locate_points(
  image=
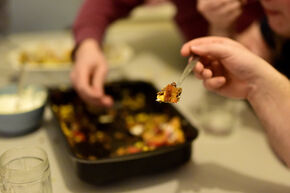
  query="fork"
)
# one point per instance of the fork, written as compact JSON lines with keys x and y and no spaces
{"x":190,"y":65}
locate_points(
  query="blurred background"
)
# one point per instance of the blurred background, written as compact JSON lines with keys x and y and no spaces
{"x":37,"y":24}
{"x":39,"y":15}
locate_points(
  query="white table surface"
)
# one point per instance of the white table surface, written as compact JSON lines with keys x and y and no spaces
{"x":241,"y":161}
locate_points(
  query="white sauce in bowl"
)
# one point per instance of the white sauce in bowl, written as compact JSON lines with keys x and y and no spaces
{"x":30,"y":99}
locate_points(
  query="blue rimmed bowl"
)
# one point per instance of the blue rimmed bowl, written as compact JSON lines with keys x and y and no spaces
{"x":28,"y":117}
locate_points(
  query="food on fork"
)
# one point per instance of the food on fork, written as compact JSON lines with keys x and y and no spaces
{"x":169,"y":94}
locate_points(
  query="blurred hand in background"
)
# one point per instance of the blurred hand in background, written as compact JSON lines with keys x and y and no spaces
{"x":221,"y":14}
{"x":89,"y":73}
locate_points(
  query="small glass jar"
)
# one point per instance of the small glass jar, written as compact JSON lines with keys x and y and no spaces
{"x":25,"y":170}
{"x":218,"y":115}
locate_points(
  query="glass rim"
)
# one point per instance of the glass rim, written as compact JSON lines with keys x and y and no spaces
{"x":39,"y":167}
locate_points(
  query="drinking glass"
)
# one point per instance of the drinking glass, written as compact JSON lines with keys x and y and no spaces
{"x":218,"y":115}
{"x":25,"y":170}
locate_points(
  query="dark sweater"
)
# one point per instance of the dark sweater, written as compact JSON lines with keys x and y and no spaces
{"x":95,"y":16}
{"x":280,"y":47}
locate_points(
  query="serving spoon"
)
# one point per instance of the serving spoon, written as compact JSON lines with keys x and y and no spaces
{"x":20,"y":83}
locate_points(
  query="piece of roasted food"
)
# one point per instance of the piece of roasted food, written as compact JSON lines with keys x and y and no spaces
{"x":169,"y":94}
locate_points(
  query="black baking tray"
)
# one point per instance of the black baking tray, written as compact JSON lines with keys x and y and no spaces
{"x":111,"y":169}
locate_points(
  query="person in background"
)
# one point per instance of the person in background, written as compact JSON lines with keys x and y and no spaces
{"x":90,"y":68}
{"x":271,"y":38}
{"x":231,"y":70}
{"x":221,"y":15}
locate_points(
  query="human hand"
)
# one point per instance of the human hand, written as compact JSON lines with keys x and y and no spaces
{"x":89,"y":73}
{"x":227,"y":67}
{"x":221,"y":14}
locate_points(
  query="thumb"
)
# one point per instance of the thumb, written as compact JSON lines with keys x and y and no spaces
{"x":217,"y":47}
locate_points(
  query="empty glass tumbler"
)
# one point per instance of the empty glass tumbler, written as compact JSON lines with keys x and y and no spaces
{"x":25,"y":170}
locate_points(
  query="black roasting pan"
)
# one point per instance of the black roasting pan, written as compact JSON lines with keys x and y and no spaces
{"x":109,"y":169}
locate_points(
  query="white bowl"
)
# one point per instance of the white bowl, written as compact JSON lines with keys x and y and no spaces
{"x":28,"y":117}
{"x":54,"y":55}
{"x":42,"y":55}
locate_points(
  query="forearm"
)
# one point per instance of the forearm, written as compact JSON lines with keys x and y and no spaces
{"x":271,"y":102}
{"x":86,"y":45}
